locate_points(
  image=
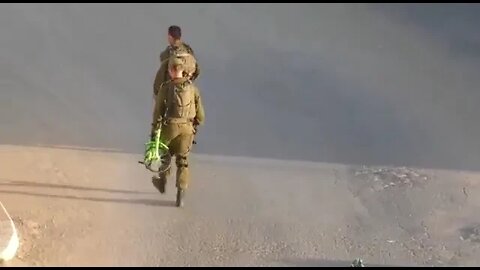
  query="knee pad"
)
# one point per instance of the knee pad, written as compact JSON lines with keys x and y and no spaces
{"x":182,"y":162}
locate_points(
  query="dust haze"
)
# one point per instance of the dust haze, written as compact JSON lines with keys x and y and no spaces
{"x":354,"y":84}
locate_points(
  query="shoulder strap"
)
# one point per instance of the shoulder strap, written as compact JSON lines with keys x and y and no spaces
{"x":164,"y":83}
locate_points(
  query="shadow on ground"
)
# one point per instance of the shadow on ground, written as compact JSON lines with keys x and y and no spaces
{"x":147,"y":202}
{"x":338,"y":83}
{"x":4,"y":182}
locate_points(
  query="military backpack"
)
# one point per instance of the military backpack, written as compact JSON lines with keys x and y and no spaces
{"x":181,"y":101}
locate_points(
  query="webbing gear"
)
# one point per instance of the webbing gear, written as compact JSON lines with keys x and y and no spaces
{"x":177,"y":120}
{"x":152,"y":151}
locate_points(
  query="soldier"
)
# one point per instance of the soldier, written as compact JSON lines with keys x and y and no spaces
{"x":179,"y":110}
{"x":179,"y":48}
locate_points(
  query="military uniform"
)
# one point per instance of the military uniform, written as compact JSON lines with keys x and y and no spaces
{"x":177,"y":132}
{"x":162,"y":73}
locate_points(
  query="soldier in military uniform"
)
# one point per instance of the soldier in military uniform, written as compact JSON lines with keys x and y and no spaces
{"x":175,"y":45}
{"x":178,"y":110}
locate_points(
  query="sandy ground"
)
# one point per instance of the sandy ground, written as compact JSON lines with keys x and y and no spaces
{"x":77,"y":207}
{"x":310,"y":84}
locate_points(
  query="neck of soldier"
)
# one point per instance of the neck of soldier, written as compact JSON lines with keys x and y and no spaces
{"x":176,"y":42}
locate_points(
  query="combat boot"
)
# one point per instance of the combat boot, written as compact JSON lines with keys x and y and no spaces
{"x":180,"y":197}
{"x":159,"y":182}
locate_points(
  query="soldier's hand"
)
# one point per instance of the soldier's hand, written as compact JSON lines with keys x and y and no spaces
{"x":195,"y":122}
{"x":152,"y":131}
{"x":195,"y":126}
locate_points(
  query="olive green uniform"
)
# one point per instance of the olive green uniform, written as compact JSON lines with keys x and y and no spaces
{"x":177,"y":133}
{"x":162,"y":73}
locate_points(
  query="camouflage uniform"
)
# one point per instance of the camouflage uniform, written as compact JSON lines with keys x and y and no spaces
{"x":177,"y":133}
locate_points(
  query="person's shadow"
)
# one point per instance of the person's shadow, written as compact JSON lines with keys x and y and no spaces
{"x":148,"y":202}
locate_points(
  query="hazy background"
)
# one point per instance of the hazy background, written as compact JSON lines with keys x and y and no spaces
{"x":375,"y":84}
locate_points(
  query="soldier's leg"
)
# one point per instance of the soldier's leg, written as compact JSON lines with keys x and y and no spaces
{"x":160,"y":181}
{"x":181,"y":146}
{"x":184,"y":143}
{"x":166,"y":165}
{"x":183,"y":178}
{"x":183,"y":173}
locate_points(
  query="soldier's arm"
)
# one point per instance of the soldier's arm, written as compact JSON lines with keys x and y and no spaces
{"x":159,"y":109}
{"x":200,"y":112}
{"x":162,"y":71}
{"x":197,"y":67}
{"x":157,"y":82}
{"x":164,"y":54}
{"x":160,"y":78}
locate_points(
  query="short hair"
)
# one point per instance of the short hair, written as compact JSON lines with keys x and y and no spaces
{"x":175,"y":31}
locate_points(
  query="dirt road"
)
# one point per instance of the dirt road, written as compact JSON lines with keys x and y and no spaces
{"x":94,"y":208}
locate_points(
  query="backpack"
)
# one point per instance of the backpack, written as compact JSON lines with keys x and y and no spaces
{"x":189,"y":61}
{"x":181,"y":101}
